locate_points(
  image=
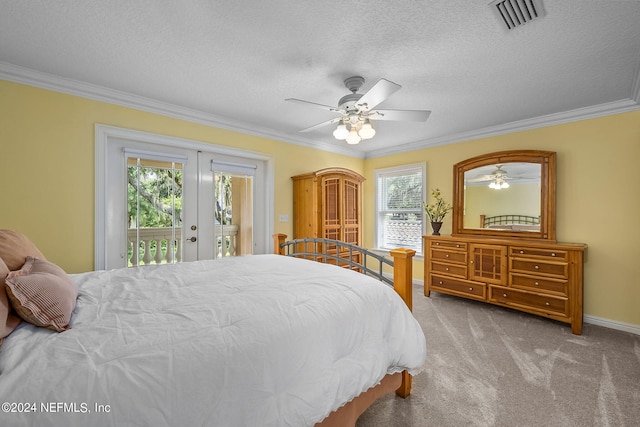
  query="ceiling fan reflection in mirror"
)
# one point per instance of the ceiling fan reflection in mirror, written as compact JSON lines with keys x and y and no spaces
{"x":497,"y":178}
{"x":358,"y":110}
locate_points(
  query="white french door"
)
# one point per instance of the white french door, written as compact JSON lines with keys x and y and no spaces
{"x":231,"y":205}
{"x":164,"y":200}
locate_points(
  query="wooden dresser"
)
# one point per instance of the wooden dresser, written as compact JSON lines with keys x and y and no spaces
{"x":543,"y":278}
{"x":328,"y":204}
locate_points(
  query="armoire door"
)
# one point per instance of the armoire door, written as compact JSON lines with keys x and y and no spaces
{"x":351,"y":215}
{"x":332,"y":207}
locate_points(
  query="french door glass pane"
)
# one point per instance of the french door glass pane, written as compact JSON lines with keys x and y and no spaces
{"x":154,"y":207}
{"x":233,"y":214}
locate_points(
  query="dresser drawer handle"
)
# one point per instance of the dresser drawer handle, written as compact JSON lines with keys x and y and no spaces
{"x":547,"y":303}
{"x":446,"y":269}
{"x":537,"y":267}
{"x":457,"y":246}
{"x":537,"y":283}
{"x":504,"y":295}
{"x":437,"y":243}
{"x":553,"y":254}
{"x":470,"y":289}
{"x":446,"y":256}
{"x":521,"y":252}
{"x":440,"y":282}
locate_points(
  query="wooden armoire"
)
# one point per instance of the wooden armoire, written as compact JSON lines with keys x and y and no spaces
{"x":328,"y":204}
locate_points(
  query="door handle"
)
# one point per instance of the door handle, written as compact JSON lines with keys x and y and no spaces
{"x":192,"y":239}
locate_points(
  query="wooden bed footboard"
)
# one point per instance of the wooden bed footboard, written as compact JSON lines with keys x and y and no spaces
{"x":360,"y":259}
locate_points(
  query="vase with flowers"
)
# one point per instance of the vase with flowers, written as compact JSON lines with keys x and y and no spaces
{"x":437,"y":211}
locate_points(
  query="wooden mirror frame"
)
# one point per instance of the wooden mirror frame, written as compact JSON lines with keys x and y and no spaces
{"x":547,"y":161}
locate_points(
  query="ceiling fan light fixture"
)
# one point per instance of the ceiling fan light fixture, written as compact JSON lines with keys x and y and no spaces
{"x":366,"y":131}
{"x":341,"y":131}
{"x":498,"y":184}
{"x":356,"y":110}
{"x":353,"y":137}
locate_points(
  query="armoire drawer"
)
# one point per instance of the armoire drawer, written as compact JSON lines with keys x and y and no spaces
{"x":449,"y":269}
{"x":459,"y":287}
{"x":536,"y":267}
{"x":458,"y":257}
{"x":538,"y":284}
{"x":543,"y":303}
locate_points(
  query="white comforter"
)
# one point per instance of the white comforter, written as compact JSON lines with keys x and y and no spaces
{"x":261,"y":340}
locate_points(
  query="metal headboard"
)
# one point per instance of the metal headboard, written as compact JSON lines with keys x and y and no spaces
{"x":353,"y":257}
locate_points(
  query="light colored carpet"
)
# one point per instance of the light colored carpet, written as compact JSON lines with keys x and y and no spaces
{"x":491,"y":366}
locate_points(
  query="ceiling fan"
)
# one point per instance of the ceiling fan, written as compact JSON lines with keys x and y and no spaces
{"x":523,"y":173}
{"x":497,"y":174}
{"x":357,"y":110}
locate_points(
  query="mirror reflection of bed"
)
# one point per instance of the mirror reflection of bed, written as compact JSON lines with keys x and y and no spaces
{"x":510,"y":222}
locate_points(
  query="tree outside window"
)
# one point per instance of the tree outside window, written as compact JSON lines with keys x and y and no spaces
{"x":400,"y":198}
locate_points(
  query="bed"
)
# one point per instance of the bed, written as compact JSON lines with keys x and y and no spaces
{"x":511,"y":222}
{"x":263,"y":340}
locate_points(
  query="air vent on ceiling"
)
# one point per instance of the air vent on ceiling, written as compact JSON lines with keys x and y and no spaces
{"x":515,"y":13}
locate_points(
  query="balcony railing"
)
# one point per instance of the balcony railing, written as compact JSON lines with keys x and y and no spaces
{"x":159,"y":245}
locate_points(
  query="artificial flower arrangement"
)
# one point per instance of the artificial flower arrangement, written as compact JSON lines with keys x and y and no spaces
{"x":437,"y":211}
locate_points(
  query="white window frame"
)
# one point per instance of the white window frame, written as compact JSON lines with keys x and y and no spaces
{"x":397,"y":170}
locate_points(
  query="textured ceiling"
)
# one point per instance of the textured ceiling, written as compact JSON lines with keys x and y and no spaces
{"x":232,"y":64}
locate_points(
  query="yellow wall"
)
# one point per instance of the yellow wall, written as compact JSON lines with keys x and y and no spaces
{"x":598,"y":202}
{"x":47,"y":175}
{"x":47,"y":165}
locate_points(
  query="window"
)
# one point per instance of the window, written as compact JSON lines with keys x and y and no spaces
{"x":399,"y":207}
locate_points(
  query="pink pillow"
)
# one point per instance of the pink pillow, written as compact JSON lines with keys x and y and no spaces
{"x":42,"y":294}
{"x":8,"y":320}
{"x":15,"y":247}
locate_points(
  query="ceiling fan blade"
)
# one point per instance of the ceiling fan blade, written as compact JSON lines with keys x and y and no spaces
{"x":313,"y":104}
{"x":319,"y":125}
{"x":480,"y":179}
{"x":378,"y":93}
{"x":400,"y":115}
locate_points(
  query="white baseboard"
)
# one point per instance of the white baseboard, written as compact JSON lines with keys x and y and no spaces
{"x":612,"y":324}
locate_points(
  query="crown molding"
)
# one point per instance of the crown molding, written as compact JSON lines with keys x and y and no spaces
{"x":600,"y":110}
{"x":39,"y":79}
{"x":54,"y":83}
{"x":635,"y":90}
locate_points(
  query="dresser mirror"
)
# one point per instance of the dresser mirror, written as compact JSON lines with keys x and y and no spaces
{"x":506,"y":194}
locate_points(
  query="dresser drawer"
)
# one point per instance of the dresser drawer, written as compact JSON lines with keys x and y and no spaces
{"x":550,"y":254}
{"x":449,"y":256}
{"x":539,"y":267}
{"x":458,"y":287}
{"x":449,"y":269}
{"x":449,"y":244}
{"x":543,"y":303}
{"x":538,"y":284}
